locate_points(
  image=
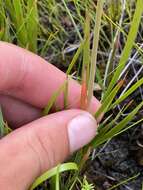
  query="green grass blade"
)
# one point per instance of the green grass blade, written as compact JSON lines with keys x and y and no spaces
{"x":103,"y":129}
{"x":53,"y":99}
{"x":53,"y":172}
{"x":75,"y":58}
{"x":58,"y":178}
{"x":119,"y":127}
{"x":127,"y":93}
{"x":2,"y":20}
{"x":66,"y":93}
{"x":32,"y":24}
{"x":2,"y":130}
{"x":124,"y":181}
{"x":44,"y":49}
{"x":109,"y":66}
{"x":123,"y":32}
{"x":107,"y":102}
{"x":71,"y":17}
{"x":7,"y":7}
{"x":129,"y":44}
{"x":127,"y":128}
{"x":19,"y":22}
{"x":10,"y":8}
{"x":100,"y":140}
{"x":95,"y":48}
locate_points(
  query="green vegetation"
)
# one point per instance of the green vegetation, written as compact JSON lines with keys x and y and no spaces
{"x":96,"y":43}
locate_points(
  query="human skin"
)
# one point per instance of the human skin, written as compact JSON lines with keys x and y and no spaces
{"x":39,"y":143}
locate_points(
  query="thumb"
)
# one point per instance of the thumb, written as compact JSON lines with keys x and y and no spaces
{"x":31,"y":150}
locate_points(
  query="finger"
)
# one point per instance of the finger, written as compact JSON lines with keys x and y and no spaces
{"x":31,"y":150}
{"x":18,"y":113}
{"x":30,"y":78}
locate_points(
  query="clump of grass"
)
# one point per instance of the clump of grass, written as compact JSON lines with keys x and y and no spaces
{"x":20,"y":19}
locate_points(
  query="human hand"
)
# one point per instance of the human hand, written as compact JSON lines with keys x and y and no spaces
{"x":27,"y":83}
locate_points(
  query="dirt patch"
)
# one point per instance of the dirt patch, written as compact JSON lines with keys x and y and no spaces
{"x":119,"y":160}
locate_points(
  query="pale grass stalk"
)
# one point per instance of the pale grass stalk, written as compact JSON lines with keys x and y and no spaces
{"x":94,"y":50}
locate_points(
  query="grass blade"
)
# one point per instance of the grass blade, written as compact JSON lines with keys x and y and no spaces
{"x":53,"y":172}
{"x":129,"y":44}
{"x":32,"y":26}
{"x":74,"y":60}
{"x":71,"y":17}
{"x":19,"y":22}
{"x":54,"y":98}
{"x":107,"y":102}
{"x":86,"y":62}
{"x":95,"y":48}
{"x":103,"y":129}
{"x":119,"y":127}
{"x":127,"y":93}
{"x":2,"y":130}
{"x":114,"y":46}
{"x":66,"y":93}
{"x":2,"y":20}
{"x":124,"y":182}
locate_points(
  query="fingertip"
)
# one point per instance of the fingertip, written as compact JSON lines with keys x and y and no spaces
{"x":81,"y":130}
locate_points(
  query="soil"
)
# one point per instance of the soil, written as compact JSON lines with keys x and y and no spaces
{"x":118,"y":161}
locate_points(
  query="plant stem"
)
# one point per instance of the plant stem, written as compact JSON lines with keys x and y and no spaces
{"x":94,"y":50}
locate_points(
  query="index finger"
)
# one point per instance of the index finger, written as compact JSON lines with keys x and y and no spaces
{"x":30,"y":78}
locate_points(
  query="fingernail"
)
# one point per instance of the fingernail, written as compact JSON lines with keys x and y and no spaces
{"x":81,"y":131}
